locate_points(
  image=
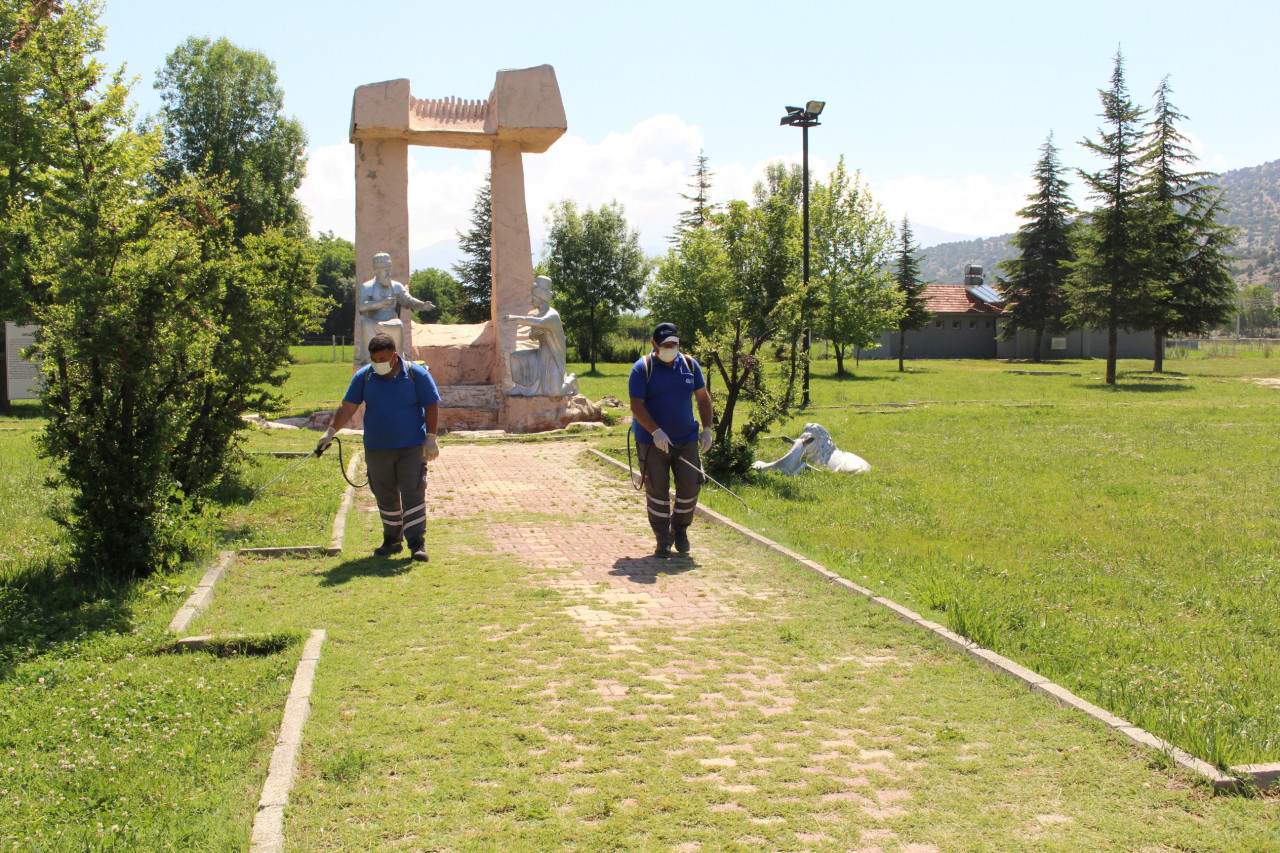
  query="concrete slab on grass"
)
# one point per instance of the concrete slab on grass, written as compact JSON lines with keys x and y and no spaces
{"x":268,"y":824}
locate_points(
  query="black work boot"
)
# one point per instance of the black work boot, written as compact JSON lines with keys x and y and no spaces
{"x":388,"y":547}
{"x":682,"y":539}
{"x":418,"y":550}
{"x":663,"y":551}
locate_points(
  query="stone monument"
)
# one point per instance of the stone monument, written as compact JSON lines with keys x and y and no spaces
{"x":379,"y":304}
{"x":812,"y":449}
{"x":472,"y":364}
{"x":539,"y":371}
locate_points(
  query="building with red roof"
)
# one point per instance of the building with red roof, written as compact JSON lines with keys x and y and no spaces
{"x":968,"y":319}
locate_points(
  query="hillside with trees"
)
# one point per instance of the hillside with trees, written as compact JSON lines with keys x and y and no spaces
{"x":1252,"y":205}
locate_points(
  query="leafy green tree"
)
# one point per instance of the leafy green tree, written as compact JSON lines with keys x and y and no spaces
{"x":223,"y":116}
{"x":781,"y":180}
{"x":760,"y":308}
{"x":42,"y":46}
{"x":475,"y":277}
{"x":696,"y":216}
{"x":690,"y":286}
{"x":852,"y":241}
{"x":1109,"y":286}
{"x":336,"y":281}
{"x":597,"y":268}
{"x":1187,"y":246}
{"x":911,"y":288}
{"x":1035,"y":290}
{"x":732,"y":288}
{"x":157,"y":328}
{"x":439,"y":288}
{"x":1257,"y":307}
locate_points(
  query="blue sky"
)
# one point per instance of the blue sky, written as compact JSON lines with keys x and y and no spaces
{"x":941,"y":105}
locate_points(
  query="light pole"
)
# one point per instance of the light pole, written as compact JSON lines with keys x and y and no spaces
{"x":804,"y":118}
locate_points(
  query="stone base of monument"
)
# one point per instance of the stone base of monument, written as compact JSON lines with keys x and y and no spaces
{"x":485,"y":407}
{"x":457,"y":355}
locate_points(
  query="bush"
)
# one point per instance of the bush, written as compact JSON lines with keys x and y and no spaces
{"x":730,"y":458}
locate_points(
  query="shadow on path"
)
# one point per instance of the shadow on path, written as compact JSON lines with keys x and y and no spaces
{"x":367,"y":567}
{"x":646,"y":569}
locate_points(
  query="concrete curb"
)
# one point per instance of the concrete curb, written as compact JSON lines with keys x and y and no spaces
{"x":200,"y":600}
{"x":1260,"y":775}
{"x":287,"y":551}
{"x":268,"y":823}
{"x":348,"y":498}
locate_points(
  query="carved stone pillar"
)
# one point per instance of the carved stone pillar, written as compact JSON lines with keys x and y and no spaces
{"x":511,"y":259}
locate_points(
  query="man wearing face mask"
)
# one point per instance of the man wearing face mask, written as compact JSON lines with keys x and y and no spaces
{"x":401,"y":413}
{"x":662,"y":386}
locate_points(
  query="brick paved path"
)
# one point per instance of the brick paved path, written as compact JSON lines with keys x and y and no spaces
{"x":795,"y":765}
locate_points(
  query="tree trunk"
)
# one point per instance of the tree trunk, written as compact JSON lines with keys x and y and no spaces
{"x":591,"y":337}
{"x":1112,"y":341}
{"x":1158,"y":367}
{"x":839,"y":359}
{"x":902,"y":344}
{"x":1039,"y":343}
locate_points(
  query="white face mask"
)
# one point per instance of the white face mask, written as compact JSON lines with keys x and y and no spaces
{"x":382,"y":368}
{"x":668,"y":354}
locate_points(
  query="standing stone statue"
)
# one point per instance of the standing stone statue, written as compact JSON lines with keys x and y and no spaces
{"x":539,"y":372}
{"x":378,"y":303}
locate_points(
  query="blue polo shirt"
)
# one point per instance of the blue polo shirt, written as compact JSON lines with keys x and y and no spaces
{"x":668,"y":397}
{"x":394,"y":405}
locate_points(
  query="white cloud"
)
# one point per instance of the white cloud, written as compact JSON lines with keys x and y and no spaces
{"x":645,"y":168}
{"x":975,"y":205}
{"x":328,"y":190}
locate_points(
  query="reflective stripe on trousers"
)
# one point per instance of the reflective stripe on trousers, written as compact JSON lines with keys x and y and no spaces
{"x":398,"y":478}
{"x":659,"y":468}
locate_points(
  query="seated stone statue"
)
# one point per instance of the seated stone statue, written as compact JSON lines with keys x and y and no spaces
{"x":540,"y":371}
{"x":815,"y":448}
{"x":378,"y":302}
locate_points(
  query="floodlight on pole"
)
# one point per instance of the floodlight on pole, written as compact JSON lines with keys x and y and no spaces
{"x":805,"y":118}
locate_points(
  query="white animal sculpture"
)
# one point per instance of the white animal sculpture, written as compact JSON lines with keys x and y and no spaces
{"x":815,"y":448}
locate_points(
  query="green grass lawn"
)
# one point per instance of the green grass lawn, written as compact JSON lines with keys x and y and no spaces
{"x":458,"y":708}
{"x":1123,"y":541}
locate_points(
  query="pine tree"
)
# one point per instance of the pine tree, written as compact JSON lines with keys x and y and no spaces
{"x":915,"y":308}
{"x":1034,"y":292}
{"x":475,"y":276}
{"x":1109,"y":286}
{"x":852,"y":245}
{"x":696,"y":217}
{"x":1188,"y":247}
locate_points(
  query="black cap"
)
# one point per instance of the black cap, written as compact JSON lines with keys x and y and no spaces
{"x":665,"y":332}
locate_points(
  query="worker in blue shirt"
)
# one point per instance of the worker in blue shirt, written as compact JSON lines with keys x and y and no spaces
{"x":402,"y":410}
{"x":663,"y":385}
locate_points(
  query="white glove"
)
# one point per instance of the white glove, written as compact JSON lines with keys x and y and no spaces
{"x":704,"y":441}
{"x":433,"y":449}
{"x":325,"y":441}
{"x":661,"y":441}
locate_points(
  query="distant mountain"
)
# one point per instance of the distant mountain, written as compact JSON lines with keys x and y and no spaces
{"x":945,"y":262}
{"x":927,"y":235}
{"x":1253,"y":206}
{"x":1253,"y":202}
{"x":442,"y":256}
